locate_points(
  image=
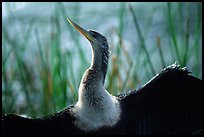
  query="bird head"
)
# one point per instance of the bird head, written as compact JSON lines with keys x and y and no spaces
{"x":97,"y":41}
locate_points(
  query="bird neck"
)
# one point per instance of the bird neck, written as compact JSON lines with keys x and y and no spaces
{"x":100,"y":62}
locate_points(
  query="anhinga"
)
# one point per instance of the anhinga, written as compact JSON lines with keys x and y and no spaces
{"x":170,"y":103}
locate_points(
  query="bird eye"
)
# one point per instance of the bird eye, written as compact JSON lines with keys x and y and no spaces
{"x":94,"y":35}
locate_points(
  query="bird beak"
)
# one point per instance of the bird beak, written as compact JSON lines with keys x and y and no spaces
{"x":81,"y":30}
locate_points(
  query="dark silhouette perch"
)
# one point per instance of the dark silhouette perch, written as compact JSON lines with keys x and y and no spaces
{"x":170,"y":103}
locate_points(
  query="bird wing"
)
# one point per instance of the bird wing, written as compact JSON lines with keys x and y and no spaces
{"x":170,"y":103}
{"x":58,"y":123}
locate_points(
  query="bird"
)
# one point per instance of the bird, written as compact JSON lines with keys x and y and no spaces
{"x":168,"y":104}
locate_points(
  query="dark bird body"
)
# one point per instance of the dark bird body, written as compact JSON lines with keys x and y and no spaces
{"x":170,"y":103}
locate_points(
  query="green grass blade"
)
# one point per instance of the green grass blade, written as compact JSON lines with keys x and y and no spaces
{"x":172,"y":30}
{"x":185,"y":59}
{"x":160,"y":52}
{"x":142,"y":39}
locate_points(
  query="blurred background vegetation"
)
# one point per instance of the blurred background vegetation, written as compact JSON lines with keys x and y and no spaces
{"x":44,"y":57}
